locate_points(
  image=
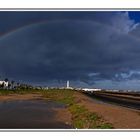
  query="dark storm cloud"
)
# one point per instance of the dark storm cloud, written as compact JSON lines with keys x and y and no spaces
{"x":13,"y":20}
{"x":77,"y":50}
{"x":97,"y":48}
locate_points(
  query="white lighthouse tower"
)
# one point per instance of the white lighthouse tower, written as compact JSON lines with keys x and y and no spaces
{"x":68,"y":84}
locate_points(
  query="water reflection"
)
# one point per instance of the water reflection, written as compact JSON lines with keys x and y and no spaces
{"x":30,"y":114}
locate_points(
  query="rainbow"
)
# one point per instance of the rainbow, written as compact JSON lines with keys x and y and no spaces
{"x":5,"y":35}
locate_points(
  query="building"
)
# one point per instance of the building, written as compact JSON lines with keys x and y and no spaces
{"x":68,"y":85}
{"x":4,"y":83}
{"x":91,"y":89}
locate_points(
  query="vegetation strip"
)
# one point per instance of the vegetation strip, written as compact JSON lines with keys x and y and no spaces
{"x":81,"y":117}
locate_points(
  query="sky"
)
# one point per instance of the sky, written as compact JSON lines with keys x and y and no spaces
{"x":93,"y":49}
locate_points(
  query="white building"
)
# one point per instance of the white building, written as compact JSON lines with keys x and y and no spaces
{"x":5,"y":83}
{"x":91,"y":89}
{"x":68,"y":84}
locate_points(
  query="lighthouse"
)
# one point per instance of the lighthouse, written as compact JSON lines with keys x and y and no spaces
{"x":68,"y":84}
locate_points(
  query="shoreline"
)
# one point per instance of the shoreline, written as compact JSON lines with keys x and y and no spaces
{"x":119,"y":117}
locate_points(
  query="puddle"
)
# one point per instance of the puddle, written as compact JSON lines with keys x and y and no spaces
{"x":30,"y":114}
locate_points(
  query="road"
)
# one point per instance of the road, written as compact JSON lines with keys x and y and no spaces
{"x":121,"y":99}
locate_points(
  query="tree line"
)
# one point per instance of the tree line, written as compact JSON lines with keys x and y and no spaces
{"x":14,"y":85}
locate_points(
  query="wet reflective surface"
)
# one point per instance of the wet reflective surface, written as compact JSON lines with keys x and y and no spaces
{"x":30,"y":114}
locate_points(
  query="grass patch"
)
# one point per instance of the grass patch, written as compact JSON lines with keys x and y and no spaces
{"x":81,"y":117}
{"x":17,"y":91}
{"x":105,"y":126}
{"x":6,"y":92}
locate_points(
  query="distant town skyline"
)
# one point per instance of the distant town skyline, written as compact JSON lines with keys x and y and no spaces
{"x":94,"y":49}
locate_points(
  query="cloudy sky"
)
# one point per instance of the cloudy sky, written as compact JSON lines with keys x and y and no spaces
{"x":91,"y":49}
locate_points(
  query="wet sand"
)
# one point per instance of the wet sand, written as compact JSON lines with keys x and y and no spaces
{"x":29,"y":111}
